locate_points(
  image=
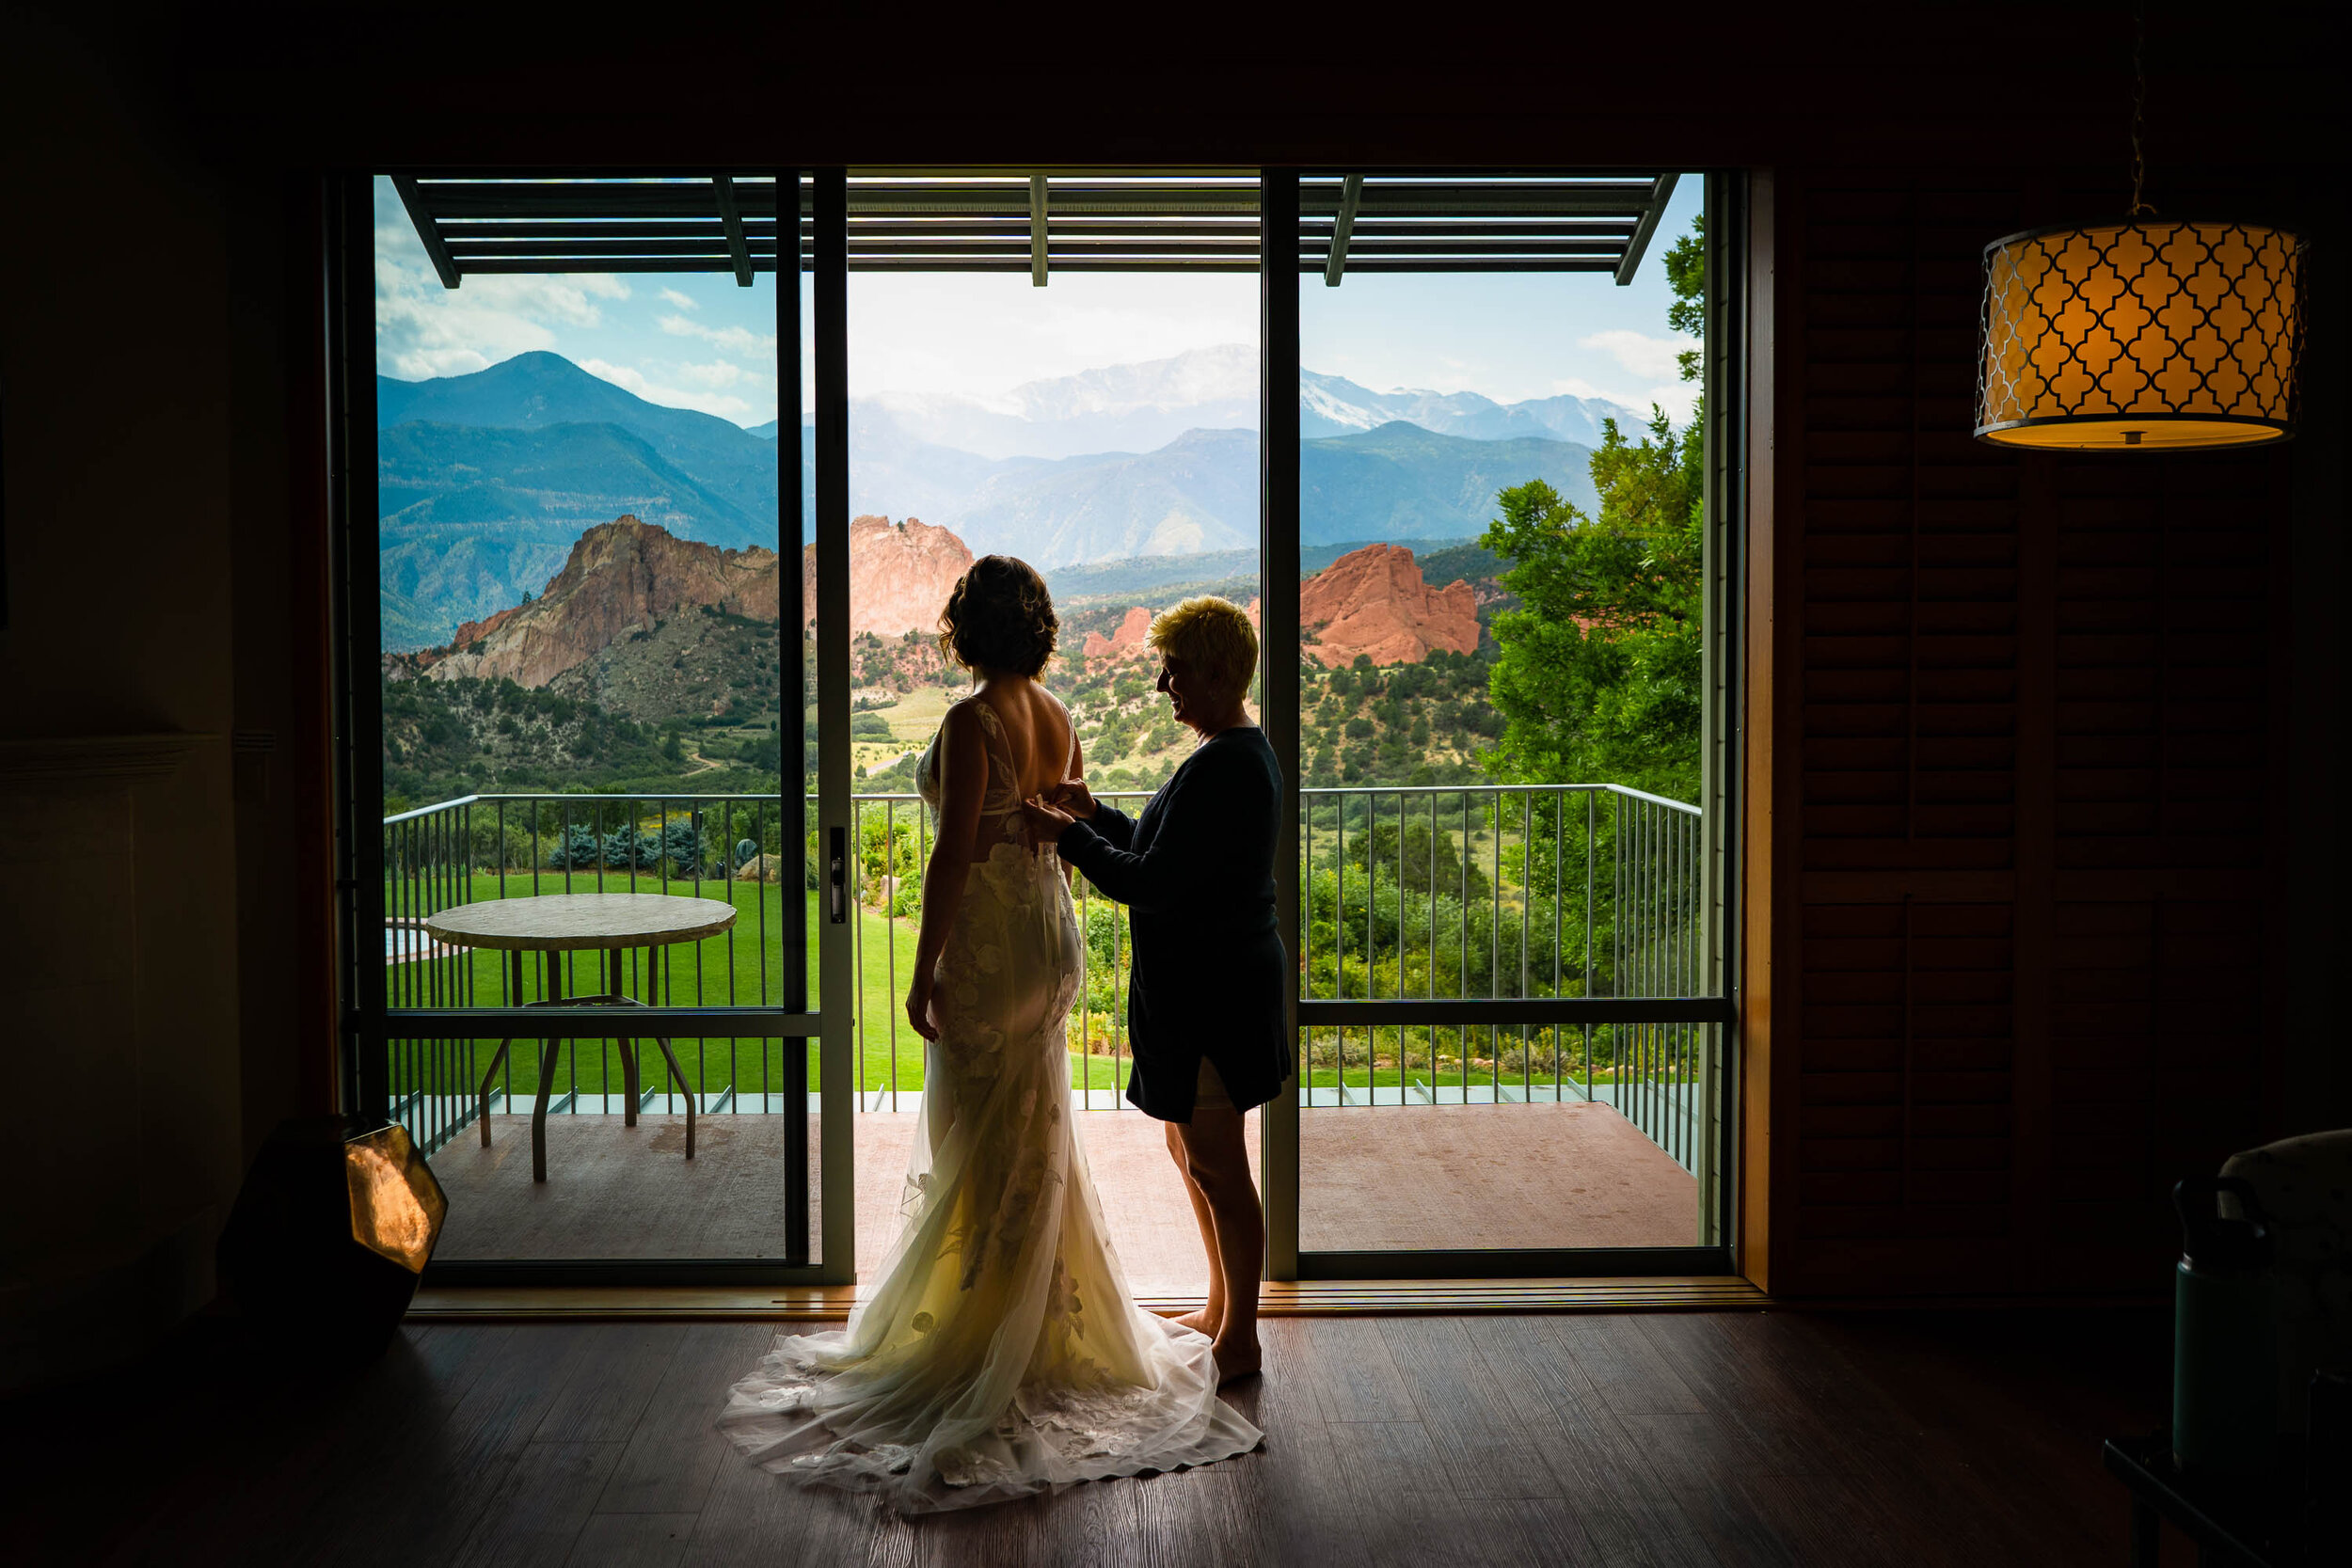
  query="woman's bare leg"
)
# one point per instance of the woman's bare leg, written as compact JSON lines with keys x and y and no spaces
{"x":1218,"y":1159}
{"x":1211,"y":1316}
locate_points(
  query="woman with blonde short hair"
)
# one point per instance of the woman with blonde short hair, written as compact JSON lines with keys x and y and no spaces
{"x":1204,"y":1009}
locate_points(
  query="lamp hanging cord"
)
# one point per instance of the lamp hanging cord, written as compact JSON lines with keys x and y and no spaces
{"x":2140,"y":105}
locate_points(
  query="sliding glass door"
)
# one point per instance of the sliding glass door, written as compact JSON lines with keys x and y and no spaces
{"x":1506,"y":661}
{"x":650,"y":491}
{"x":584,"y":634}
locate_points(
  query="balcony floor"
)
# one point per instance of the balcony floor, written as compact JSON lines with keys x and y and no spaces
{"x":1571,"y":1175}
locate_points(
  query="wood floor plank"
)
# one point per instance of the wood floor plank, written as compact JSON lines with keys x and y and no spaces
{"x":617,"y":1369}
{"x":676,"y":1449}
{"x":1624,"y":1368}
{"x":754,"y":1519}
{"x":272,"y":1445}
{"x":1790,"y":1438}
{"x":1199,"y":1516}
{"x":386,"y":1456}
{"x":893,"y":1542}
{"x":1465,"y":1411}
{"x":482,"y":1439}
{"x":1306,"y":1515}
{"x":1888,"y":1437}
{"x":1412,"y":1517}
{"x":1009,"y":1535}
{"x":536,"y":1518}
{"x":1556,"y":1531}
{"x":1355,"y":1378}
{"x":1821,"y":1519}
{"x":1702,"y":1458}
{"x":1901,"y":1484}
{"x":1624,"y":1509}
{"x":1100,"y":1522}
{"x":632,"y":1541}
{"x":1990,"y":1431}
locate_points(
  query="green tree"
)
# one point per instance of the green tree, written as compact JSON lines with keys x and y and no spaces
{"x":1597,"y":674}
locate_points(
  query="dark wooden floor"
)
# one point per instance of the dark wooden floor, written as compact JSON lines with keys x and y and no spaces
{"x":1660,"y":1438}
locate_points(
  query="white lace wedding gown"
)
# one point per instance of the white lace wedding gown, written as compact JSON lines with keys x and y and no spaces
{"x":1000,"y":1353}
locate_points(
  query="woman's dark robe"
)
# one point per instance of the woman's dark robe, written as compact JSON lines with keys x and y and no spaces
{"x":1195,"y":870}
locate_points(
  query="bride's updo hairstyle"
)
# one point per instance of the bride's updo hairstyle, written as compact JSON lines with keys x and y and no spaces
{"x":999,"y":617}
{"x":1212,"y":635}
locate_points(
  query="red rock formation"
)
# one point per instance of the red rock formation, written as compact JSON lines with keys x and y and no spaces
{"x":622,"y":576}
{"x":470,"y":632}
{"x":1373,"y":601}
{"x":900,"y":574}
{"x":1126,"y":643}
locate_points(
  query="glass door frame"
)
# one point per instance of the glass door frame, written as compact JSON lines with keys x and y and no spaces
{"x":1279,"y":543}
{"x":368,"y":1022}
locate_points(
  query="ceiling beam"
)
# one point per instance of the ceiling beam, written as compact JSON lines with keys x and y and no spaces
{"x":1037,"y":230}
{"x":1662,"y":188}
{"x":427,"y":230}
{"x":1342,"y":229}
{"x":731,"y":219}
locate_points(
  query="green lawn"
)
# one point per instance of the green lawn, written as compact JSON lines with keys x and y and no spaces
{"x":743,"y":967}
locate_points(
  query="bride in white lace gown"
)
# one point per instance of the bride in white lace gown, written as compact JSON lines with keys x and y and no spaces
{"x":1000,"y":1352}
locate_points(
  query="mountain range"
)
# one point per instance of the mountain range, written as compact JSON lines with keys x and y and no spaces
{"x":485,"y":481}
{"x":1143,"y":406}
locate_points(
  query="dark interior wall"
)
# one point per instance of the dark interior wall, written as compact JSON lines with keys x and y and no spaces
{"x":2047,"y":875}
{"x":2058,"y":844}
{"x":119,"y":693}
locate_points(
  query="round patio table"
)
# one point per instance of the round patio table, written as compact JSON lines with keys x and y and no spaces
{"x":610,"y":922}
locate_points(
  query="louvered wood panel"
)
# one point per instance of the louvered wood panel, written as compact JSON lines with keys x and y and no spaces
{"x":1978,"y":631}
{"x":2166,"y":588}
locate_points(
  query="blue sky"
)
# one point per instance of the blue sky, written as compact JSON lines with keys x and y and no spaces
{"x":699,"y":340}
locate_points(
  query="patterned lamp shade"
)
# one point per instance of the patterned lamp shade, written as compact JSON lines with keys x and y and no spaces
{"x":2141,"y":335}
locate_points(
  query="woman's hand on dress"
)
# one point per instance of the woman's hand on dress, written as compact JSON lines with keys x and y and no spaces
{"x":1046,"y":822}
{"x":919,"y":1007}
{"x":1072,"y":796}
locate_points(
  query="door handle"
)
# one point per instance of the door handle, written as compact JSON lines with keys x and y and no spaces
{"x":839,"y":876}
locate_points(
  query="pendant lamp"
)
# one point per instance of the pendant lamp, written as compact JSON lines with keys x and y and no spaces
{"x":2147,"y":334}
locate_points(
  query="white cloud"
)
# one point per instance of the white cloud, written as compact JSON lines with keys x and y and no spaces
{"x":627,"y":376}
{"x":734,"y":339}
{"x":718,"y":373}
{"x":684,"y":301}
{"x":982,"y":335}
{"x":635,"y":380}
{"x":1638,"y":352}
{"x":1677,"y":398}
{"x":424,"y":330}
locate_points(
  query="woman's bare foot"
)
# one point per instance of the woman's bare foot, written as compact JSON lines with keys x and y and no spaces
{"x":1201,"y":1322}
{"x":1235,"y":1362}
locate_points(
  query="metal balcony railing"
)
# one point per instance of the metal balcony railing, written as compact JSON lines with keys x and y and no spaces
{"x":1506,"y":892}
{"x":1461,"y":893}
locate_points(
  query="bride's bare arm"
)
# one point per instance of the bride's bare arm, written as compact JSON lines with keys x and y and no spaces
{"x":962,"y":785}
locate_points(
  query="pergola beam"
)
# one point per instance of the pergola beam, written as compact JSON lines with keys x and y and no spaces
{"x":731,"y":220}
{"x":1342,"y":229}
{"x":427,"y":230}
{"x":1038,"y":224}
{"x":1037,"y":230}
{"x":1660,"y":190}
